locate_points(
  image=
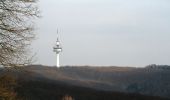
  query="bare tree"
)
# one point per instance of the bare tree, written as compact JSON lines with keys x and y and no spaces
{"x":16,"y":30}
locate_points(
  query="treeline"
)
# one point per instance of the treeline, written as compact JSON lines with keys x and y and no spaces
{"x":154,"y":66}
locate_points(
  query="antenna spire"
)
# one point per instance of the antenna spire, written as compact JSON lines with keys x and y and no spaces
{"x":57,"y":35}
{"x":57,"y":30}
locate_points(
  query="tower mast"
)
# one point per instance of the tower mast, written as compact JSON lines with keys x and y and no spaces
{"x":57,"y":49}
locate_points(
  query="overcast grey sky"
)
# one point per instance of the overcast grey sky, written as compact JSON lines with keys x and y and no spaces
{"x":104,"y":32}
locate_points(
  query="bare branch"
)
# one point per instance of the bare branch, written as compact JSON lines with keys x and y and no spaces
{"x":16,"y":30}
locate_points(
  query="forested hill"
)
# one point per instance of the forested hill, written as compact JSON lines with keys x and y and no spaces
{"x":123,"y":82}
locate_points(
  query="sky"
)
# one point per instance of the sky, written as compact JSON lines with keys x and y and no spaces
{"x":104,"y":32}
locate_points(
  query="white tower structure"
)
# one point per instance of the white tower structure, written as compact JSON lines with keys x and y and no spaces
{"x":57,"y":49}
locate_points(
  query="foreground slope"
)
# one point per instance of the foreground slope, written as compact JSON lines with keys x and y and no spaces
{"x":50,"y":90}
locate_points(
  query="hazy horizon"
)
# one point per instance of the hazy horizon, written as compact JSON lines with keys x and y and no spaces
{"x":104,"y":32}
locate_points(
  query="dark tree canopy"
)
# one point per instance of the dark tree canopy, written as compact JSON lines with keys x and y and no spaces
{"x":16,"y":30}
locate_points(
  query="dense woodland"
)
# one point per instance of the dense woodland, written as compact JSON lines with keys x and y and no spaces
{"x":75,"y":83}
